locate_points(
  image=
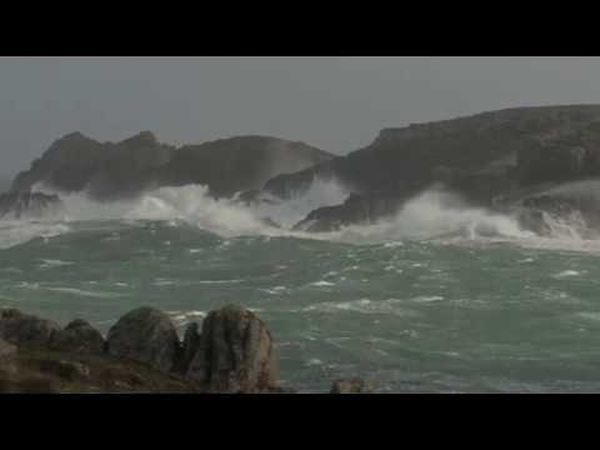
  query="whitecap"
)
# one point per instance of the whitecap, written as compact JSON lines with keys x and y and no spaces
{"x":50,"y":263}
{"x":567,"y":273}
{"x":322,"y":283}
{"x":428,"y":299}
{"x":82,"y":293}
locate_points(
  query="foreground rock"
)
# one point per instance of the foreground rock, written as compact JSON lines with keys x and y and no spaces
{"x":36,"y":370}
{"x":7,"y":350}
{"x":146,"y":335}
{"x":349,"y":386}
{"x":26,"y":330}
{"x":233,"y":353}
{"x":79,"y":337}
{"x":237,"y":353}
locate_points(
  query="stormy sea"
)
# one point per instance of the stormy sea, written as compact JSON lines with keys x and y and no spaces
{"x":439,"y":298}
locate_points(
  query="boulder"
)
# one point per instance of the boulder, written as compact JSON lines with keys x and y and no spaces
{"x":237,"y":354}
{"x":146,"y":335}
{"x":78,"y":337}
{"x":24,"y":329}
{"x":349,"y":386}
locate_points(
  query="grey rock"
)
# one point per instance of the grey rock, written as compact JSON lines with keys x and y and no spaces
{"x":24,"y":329}
{"x":79,"y":337}
{"x":146,"y":335}
{"x":237,"y":353}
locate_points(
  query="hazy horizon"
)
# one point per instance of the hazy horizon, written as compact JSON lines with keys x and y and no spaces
{"x":336,"y":104}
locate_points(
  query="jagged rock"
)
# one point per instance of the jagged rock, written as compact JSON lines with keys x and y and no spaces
{"x":349,"y":386}
{"x":79,"y":337}
{"x":23,"y":329}
{"x":237,"y":353}
{"x":147,"y":335}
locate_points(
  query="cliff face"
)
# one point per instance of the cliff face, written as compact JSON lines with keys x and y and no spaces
{"x":487,"y":157}
{"x":114,"y":170}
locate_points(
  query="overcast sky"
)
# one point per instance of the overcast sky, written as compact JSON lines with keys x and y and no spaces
{"x":337,"y":104}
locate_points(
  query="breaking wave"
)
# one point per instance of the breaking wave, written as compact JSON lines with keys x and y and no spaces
{"x":432,"y":215}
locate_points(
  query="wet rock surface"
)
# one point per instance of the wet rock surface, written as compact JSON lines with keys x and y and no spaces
{"x":237,"y":353}
{"x":146,"y":335}
{"x":79,"y":337}
{"x":24,"y":329}
{"x":231,"y":352}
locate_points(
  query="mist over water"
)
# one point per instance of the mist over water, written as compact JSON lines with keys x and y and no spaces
{"x":439,"y":297}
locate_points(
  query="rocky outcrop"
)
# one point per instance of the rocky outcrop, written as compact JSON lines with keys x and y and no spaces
{"x":78,"y":337}
{"x":18,"y":205}
{"x":146,"y":335}
{"x":357,"y":209}
{"x":108,"y":170}
{"x":237,"y":353}
{"x":26,"y":330}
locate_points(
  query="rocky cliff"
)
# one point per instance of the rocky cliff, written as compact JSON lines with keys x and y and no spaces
{"x":491,"y":159}
{"x":115,"y":170}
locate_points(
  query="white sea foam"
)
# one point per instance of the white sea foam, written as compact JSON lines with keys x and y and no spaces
{"x":322,"y":283}
{"x":82,"y":293}
{"x":434,"y":214}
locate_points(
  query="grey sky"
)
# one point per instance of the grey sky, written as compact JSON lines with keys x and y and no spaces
{"x":337,"y":104}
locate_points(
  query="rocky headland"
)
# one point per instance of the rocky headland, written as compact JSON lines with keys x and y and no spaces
{"x":108,"y":171}
{"x":507,"y":161}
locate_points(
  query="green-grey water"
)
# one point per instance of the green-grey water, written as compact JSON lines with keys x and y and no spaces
{"x":408,"y":316}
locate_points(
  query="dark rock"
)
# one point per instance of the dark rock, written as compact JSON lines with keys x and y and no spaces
{"x":238,"y":164}
{"x":23,"y":329}
{"x":349,"y":386}
{"x":357,"y":209}
{"x":147,"y":335}
{"x":237,"y":353}
{"x":78,"y":337}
